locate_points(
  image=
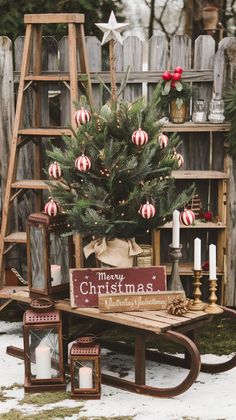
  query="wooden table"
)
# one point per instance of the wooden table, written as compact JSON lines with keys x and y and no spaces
{"x":178,"y":329}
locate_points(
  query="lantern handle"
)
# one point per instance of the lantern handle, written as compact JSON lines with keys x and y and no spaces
{"x":41,"y":304}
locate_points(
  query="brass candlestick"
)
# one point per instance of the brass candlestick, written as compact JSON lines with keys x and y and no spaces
{"x":176,"y":254}
{"x":197,"y":304}
{"x":212,"y":307}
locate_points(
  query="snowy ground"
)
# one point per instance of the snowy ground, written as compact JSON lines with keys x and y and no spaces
{"x":212,"y":397}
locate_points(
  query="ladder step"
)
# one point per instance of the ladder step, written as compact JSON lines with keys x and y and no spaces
{"x":56,"y":77}
{"x":16,"y":237}
{"x":49,"y":18}
{"x":33,"y":184}
{"x":44,"y":132}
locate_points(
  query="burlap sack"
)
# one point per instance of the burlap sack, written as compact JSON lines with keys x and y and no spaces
{"x":114,"y":252}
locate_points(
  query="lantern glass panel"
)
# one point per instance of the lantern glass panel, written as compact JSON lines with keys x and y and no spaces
{"x":44,"y":353}
{"x":59,"y":258}
{"x":37,"y":254}
{"x":85,"y":374}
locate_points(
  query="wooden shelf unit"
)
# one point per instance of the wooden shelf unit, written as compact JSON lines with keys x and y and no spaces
{"x":209,"y":177}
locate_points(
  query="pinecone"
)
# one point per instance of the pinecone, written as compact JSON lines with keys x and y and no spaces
{"x":178,"y":306}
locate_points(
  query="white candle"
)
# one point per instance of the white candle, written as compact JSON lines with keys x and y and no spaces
{"x":197,"y":254}
{"x":85,"y":377}
{"x":175,"y":230}
{"x":56,"y":274}
{"x":43,"y":361}
{"x":212,"y":262}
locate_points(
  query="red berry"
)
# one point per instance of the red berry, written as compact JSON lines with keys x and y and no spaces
{"x":166,"y":76}
{"x":178,"y":70}
{"x":177,"y":77}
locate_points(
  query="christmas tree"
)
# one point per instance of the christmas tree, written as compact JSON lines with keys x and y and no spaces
{"x":116,"y":169}
{"x":117,"y":172}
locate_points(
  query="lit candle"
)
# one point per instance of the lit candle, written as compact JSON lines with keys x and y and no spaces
{"x":43,"y":361}
{"x":175,"y":230}
{"x":212,"y":262}
{"x":85,"y":377}
{"x":56,"y":275}
{"x":197,"y":254}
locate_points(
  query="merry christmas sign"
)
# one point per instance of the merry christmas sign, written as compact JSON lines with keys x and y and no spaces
{"x":87,"y":283}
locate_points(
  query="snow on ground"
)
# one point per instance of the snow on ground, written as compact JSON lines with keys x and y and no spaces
{"x":212,"y":397}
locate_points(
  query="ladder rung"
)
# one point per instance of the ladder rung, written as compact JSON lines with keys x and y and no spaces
{"x":17,"y":237}
{"x":54,"y":18}
{"x":33,"y":184}
{"x":49,"y":77}
{"x":44,"y":132}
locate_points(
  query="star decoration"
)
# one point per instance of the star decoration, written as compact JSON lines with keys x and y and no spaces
{"x":112,"y":29}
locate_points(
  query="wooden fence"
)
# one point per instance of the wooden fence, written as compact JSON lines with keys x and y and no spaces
{"x":206,"y":65}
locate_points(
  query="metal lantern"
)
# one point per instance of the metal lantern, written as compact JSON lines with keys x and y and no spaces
{"x":43,"y":351}
{"x":49,"y":255}
{"x":85,"y":369}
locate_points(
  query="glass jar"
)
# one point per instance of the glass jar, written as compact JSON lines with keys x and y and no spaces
{"x":216,"y":110}
{"x":199,"y":111}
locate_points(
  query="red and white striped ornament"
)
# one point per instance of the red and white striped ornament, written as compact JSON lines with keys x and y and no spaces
{"x":187,"y":217}
{"x":54,"y":170}
{"x":147,"y":210}
{"x":82,"y":116}
{"x":139,"y":137}
{"x":179,"y":159}
{"x":51,"y":208}
{"x":163,"y":140}
{"x":83,"y":163}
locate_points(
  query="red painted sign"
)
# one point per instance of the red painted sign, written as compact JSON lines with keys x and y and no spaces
{"x":87,"y":283}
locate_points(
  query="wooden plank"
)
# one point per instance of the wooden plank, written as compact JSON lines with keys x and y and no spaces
{"x":48,"y":77}
{"x":220,"y":70}
{"x":18,"y":237}
{"x":73,"y":71}
{"x":180,"y":52}
{"x":196,"y":127}
{"x":157,"y":57}
{"x":48,"y":18}
{"x":118,"y":318}
{"x":94,"y":52}
{"x":155,"y":317}
{"x":133,"y":57}
{"x":127,"y":302}
{"x":186,"y":269}
{"x":198,"y":224}
{"x":34,"y":184}
{"x":45,"y":132}
{"x":7,"y":292}
{"x":199,"y":174}
{"x":7,"y":112}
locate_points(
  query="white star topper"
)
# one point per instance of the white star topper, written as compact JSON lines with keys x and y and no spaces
{"x":111,"y":29}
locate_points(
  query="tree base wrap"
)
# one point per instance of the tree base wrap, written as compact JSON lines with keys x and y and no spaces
{"x":114,"y":252}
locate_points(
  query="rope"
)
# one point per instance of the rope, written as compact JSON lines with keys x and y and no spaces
{"x":20,"y":278}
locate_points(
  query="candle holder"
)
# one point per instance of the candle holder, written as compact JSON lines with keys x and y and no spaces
{"x":197,"y":304}
{"x":176,"y":254}
{"x":212,"y":307}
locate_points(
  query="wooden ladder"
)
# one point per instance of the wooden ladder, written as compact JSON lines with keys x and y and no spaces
{"x":20,"y":136}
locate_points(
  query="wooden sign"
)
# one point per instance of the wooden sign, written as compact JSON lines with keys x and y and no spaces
{"x":136,"y":302}
{"x":87,"y":283}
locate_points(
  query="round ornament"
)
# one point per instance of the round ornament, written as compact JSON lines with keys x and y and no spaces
{"x":177,"y":77}
{"x":147,"y":211}
{"x":54,"y":170}
{"x":82,"y":116}
{"x":187,"y":217}
{"x":166,"y":76}
{"x":139,"y":137}
{"x":179,"y":159}
{"x":83,"y":163}
{"x":178,"y":69}
{"x":163,"y":140}
{"x":51,"y":208}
